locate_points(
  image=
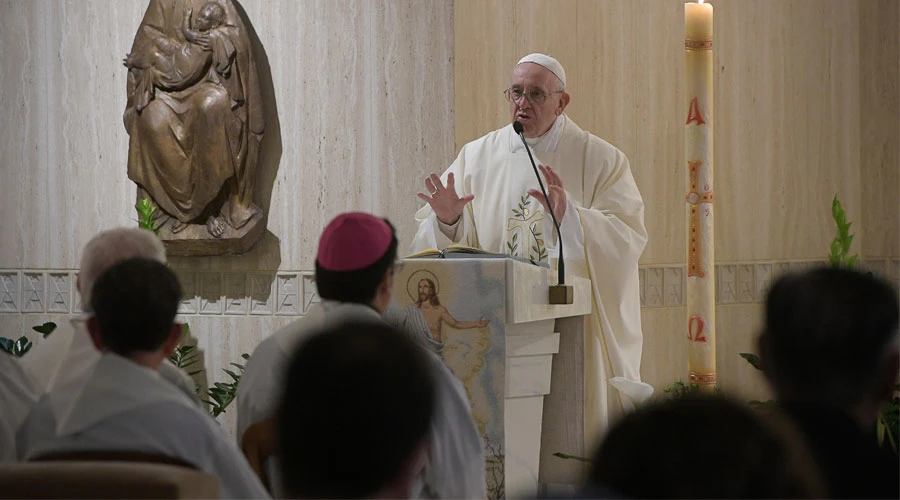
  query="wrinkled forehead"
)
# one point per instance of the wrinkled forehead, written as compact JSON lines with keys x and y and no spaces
{"x":529,"y":75}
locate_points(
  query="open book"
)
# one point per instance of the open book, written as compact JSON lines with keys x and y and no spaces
{"x":467,"y":252}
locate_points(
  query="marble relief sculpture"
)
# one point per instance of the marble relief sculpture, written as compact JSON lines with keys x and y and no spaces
{"x":195,"y":121}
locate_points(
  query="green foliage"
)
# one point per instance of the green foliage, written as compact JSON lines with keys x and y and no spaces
{"x":679,"y":389}
{"x":753,"y":359}
{"x":221,"y":394}
{"x":45,"y":329}
{"x":17,"y":347}
{"x":839,"y":255}
{"x":186,"y":356}
{"x":146,"y":211}
{"x":887,"y":428}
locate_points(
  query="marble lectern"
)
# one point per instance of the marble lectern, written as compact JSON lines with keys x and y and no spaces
{"x":491,"y":322}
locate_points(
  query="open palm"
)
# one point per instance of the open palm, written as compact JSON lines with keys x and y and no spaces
{"x":555,"y":191}
{"x":447,"y":205}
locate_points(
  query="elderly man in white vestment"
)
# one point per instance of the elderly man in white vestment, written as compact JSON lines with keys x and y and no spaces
{"x":123,"y":404}
{"x":354,"y":278}
{"x":489,"y":199}
{"x":63,"y":358}
{"x":17,"y":396}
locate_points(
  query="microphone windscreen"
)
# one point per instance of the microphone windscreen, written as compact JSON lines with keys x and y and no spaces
{"x":517,"y":126}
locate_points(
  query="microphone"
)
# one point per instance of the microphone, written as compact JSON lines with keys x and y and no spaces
{"x":559,"y":293}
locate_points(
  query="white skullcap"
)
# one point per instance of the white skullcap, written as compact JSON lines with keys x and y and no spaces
{"x":548,"y":62}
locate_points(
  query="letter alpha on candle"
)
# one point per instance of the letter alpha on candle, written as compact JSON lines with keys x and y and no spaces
{"x":694,"y":114}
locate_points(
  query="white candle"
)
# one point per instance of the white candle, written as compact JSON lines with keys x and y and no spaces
{"x":698,"y":21}
{"x":698,"y":150}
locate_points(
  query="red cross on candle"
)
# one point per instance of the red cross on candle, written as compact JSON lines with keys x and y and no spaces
{"x":694,"y":199}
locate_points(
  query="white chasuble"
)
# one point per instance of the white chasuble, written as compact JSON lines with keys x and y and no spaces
{"x":603,"y":237}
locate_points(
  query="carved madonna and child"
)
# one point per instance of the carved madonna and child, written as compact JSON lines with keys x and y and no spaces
{"x":195,"y":120}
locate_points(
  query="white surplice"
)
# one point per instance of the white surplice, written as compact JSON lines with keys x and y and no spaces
{"x":123,"y":406}
{"x":17,"y":396}
{"x":64,"y":358}
{"x":455,"y":466}
{"x":603,"y":238}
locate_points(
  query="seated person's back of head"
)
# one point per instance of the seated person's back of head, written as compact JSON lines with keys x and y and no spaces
{"x":703,"y":446}
{"x":124,"y":408}
{"x":353,"y":421}
{"x":134,"y":304}
{"x":829,"y":349}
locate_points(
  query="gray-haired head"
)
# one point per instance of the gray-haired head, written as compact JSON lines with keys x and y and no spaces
{"x":108,"y":248}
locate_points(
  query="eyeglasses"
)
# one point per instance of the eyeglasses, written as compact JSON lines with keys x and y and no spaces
{"x":534,"y":96}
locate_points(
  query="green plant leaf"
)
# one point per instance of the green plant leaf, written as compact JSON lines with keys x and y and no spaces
{"x":45,"y":329}
{"x":845,"y":245}
{"x":753,"y":359}
{"x":7,"y":345}
{"x":23,"y":345}
{"x":836,"y":248}
{"x":851,"y":262}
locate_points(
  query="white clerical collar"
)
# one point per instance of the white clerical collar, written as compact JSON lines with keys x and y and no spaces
{"x":546,"y":142}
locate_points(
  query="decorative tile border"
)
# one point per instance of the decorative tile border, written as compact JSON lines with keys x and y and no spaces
{"x":262,"y":296}
{"x":33,"y":292}
{"x":9,"y":291}
{"x":291,"y":293}
{"x":59,"y":292}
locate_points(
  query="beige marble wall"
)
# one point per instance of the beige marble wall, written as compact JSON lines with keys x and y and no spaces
{"x":364,"y":109}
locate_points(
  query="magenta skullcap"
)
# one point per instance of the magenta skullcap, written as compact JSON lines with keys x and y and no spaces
{"x":353,"y":241}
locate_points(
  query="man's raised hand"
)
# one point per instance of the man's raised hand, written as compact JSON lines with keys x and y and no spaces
{"x":555,"y":192}
{"x":447,"y":205}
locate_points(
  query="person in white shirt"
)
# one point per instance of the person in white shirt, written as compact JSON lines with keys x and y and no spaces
{"x":362,"y":390}
{"x":67,"y":354}
{"x":123,"y":404}
{"x":354,"y":278}
{"x":17,"y":396}
{"x":489,"y":199}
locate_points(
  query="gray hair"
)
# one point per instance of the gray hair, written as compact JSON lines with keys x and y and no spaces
{"x":111,"y":247}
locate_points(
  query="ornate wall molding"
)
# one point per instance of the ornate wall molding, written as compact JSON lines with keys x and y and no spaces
{"x":290,"y":293}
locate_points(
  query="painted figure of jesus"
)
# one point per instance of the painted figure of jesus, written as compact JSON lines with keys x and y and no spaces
{"x":436,"y":315}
